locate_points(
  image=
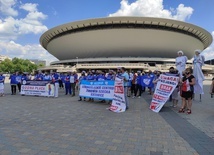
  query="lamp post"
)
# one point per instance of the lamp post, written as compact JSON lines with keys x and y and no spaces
{"x":77,"y":60}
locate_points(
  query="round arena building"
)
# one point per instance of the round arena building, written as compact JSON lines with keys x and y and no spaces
{"x":135,"y":42}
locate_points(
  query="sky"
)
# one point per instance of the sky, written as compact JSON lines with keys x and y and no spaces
{"x":22,"y":22}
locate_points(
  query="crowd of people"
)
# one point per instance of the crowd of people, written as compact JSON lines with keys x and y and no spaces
{"x":132,"y":80}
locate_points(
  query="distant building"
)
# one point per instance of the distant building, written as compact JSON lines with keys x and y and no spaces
{"x":37,"y":62}
{"x":3,"y":57}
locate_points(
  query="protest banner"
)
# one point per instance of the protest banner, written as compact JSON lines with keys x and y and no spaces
{"x":164,"y":89}
{"x":97,"y":89}
{"x":38,"y":88}
{"x":118,"y":102}
{"x":146,"y":81}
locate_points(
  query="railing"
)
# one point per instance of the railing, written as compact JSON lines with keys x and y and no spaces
{"x":113,"y":65}
{"x":65,"y":68}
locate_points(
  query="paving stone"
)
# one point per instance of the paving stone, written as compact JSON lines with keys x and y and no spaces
{"x":49,"y":126}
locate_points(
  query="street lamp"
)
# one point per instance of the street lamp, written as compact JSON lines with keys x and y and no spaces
{"x":77,"y":60}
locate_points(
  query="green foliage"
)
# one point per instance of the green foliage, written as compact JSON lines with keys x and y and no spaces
{"x":40,"y":65}
{"x":17,"y":64}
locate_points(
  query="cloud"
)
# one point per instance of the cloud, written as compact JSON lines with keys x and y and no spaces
{"x":18,"y":19}
{"x":29,"y":7}
{"x":11,"y":28}
{"x":30,"y":51}
{"x":209,"y":52}
{"x":7,"y":7}
{"x":152,"y":8}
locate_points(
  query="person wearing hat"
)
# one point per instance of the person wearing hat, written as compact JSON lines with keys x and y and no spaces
{"x":180,"y":62}
{"x":198,"y":59}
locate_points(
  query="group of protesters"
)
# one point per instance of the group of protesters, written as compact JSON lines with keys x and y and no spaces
{"x":133,"y":85}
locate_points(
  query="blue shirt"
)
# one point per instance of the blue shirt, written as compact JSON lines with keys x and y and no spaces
{"x":62,"y":77}
{"x":138,"y":78}
{"x":2,"y":78}
{"x":110,"y":77}
{"x":81,"y":78}
{"x":90,"y":77}
{"x":38,"y":77}
{"x":56,"y":78}
{"x":100,"y":77}
{"x":18,"y":78}
{"x":47,"y":78}
{"x":13,"y":79}
{"x":24,"y":77}
{"x":75,"y":77}
{"x":67,"y":79}
{"x":125,"y":76}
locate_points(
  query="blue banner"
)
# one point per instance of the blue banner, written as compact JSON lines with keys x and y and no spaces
{"x":147,"y":81}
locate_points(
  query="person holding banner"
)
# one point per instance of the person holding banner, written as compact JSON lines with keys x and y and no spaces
{"x":2,"y":78}
{"x":91,"y":77}
{"x":147,"y":81}
{"x":55,"y":79}
{"x":47,"y":77}
{"x":180,"y":62}
{"x":188,"y":81}
{"x":110,"y":75}
{"x":156,"y":79}
{"x":73,"y":79}
{"x":38,"y":76}
{"x":138,"y":88}
{"x":82,"y":77}
{"x":125,"y":76}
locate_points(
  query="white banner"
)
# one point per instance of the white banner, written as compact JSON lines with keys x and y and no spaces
{"x":164,"y":89}
{"x":97,"y":89}
{"x":38,"y":88}
{"x":118,"y":102}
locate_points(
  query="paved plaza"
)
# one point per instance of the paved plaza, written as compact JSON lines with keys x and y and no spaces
{"x":65,"y":126}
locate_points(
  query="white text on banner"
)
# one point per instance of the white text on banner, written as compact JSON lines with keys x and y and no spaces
{"x":164,"y":89}
{"x":118,"y":102}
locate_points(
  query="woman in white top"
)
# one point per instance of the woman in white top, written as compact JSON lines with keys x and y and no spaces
{"x":180,"y":62}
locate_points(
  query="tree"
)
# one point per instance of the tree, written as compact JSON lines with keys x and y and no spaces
{"x":40,"y":65}
{"x":17,"y":64}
